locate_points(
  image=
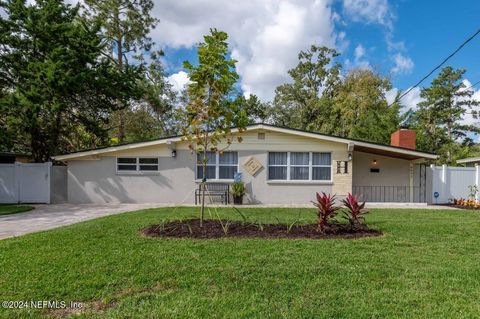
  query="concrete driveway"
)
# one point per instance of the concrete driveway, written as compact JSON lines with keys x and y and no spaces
{"x":45,"y":217}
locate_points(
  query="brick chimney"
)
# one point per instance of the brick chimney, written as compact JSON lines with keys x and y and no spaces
{"x":404,"y":138}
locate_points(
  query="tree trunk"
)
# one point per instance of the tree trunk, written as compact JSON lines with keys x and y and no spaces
{"x":204,"y":185}
{"x":121,"y":112}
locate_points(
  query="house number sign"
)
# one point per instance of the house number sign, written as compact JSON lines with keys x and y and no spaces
{"x":252,"y":166}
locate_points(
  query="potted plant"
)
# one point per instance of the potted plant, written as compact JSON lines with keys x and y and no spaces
{"x":238,"y":190}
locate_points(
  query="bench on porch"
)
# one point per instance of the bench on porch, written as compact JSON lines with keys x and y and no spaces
{"x":214,"y":190}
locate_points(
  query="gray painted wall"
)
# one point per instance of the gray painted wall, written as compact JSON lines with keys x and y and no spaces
{"x":262,"y":191}
{"x":96,"y":181}
{"x":393,"y":171}
{"x":58,"y":184}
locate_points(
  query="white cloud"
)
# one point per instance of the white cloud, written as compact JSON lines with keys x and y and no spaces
{"x":402,"y":64}
{"x":359,"y":52}
{"x":468,"y":118}
{"x":265,"y":35}
{"x":409,"y":101}
{"x":360,"y":60}
{"x":178,"y":80}
{"x":369,"y":11}
{"x":380,"y":12}
{"x":391,"y":95}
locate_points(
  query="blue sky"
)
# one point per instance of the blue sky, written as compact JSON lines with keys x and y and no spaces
{"x":403,"y":39}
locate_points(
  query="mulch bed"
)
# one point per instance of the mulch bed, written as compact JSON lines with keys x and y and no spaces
{"x":211,"y":229}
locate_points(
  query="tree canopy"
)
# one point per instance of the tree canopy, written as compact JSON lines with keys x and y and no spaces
{"x":208,"y":119}
{"x":56,"y":90}
{"x":76,"y":77}
{"x":320,"y":98}
{"x":439,"y":117}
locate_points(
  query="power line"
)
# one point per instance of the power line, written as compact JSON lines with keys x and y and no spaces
{"x":438,"y":66}
{"x":471,"y":86}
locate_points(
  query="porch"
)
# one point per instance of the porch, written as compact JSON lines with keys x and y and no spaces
{"x":378,"y":178}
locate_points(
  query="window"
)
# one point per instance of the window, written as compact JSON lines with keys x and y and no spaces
{"x":228,"y":164}
{"x":321,"y":166}
{"x":148,"y":164}
{"x":135,"y":164}
{"x":127,"y":164}
{"x":299,"y":166}
{"x":277,"y":165}
{"x":219,"y":166}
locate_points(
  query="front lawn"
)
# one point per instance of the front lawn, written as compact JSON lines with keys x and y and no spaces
{"x":425,"y":266}
{"x":14,"y":209}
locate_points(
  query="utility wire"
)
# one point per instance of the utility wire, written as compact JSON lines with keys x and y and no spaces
{"x":437,"y":67}
{"x":471,"y":86}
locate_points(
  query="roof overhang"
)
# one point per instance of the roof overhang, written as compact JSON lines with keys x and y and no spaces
{"x":357,"y":145}
{"x":410,"y":155}
{"x":468,"y":160}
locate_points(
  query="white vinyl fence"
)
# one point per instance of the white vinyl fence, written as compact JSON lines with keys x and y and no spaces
{"x":453,"y":182}
{"x":25,"y":183}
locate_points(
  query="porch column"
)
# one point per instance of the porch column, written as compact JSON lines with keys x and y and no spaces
{"x":410,"y":176}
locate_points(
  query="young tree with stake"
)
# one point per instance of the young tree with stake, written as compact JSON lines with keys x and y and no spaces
{"x":208,"y":119}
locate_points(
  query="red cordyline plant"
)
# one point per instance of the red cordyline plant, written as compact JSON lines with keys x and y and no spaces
{"x":355,"y":211}
{"x":326,"y":210}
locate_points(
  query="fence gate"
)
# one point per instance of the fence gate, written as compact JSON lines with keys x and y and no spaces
{"x":25,"y":183}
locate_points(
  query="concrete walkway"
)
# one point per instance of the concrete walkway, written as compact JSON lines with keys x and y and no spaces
{"x":45,"y":217}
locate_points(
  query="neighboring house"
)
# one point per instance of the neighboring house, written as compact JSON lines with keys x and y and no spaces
{"x":12,"y":157}
{"x":469,"y":161}
{"x":278,"y":165}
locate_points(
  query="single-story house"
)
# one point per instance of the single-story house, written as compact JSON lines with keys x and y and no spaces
{"x":278,"y":165}
{"x":469,"y":161}
{"x":12,"y":157}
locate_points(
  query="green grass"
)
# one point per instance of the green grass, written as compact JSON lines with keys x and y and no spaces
{"x":426,"y":266}
{"x":14,"y":209}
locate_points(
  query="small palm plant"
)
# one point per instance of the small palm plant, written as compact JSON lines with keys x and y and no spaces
{"x":355,"y":211}
{"x":326,"y":210}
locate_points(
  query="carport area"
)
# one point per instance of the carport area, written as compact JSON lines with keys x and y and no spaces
{"x":390,"y":177}
{"x":45,"y":217}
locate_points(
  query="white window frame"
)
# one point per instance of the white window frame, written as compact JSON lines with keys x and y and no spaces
{"x":276,"y":165}
{"x":320,"y":165}
{"x":310,"y":168}
{"x":137,"y":165}
{"x":217,"y":168}
{"x":290,"y":166}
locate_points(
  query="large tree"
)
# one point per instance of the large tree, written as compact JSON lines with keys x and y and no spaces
{"x":319,"y":98}
{"x":207,"y":120}
{"x":256,"y":110}
{"x":438,"y":118}
{"x":54,"y":86}
{"x":360,"y":108}
{"x":152,"y":114}
{"x":126,"y":25}
{"x":301,"y":103}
